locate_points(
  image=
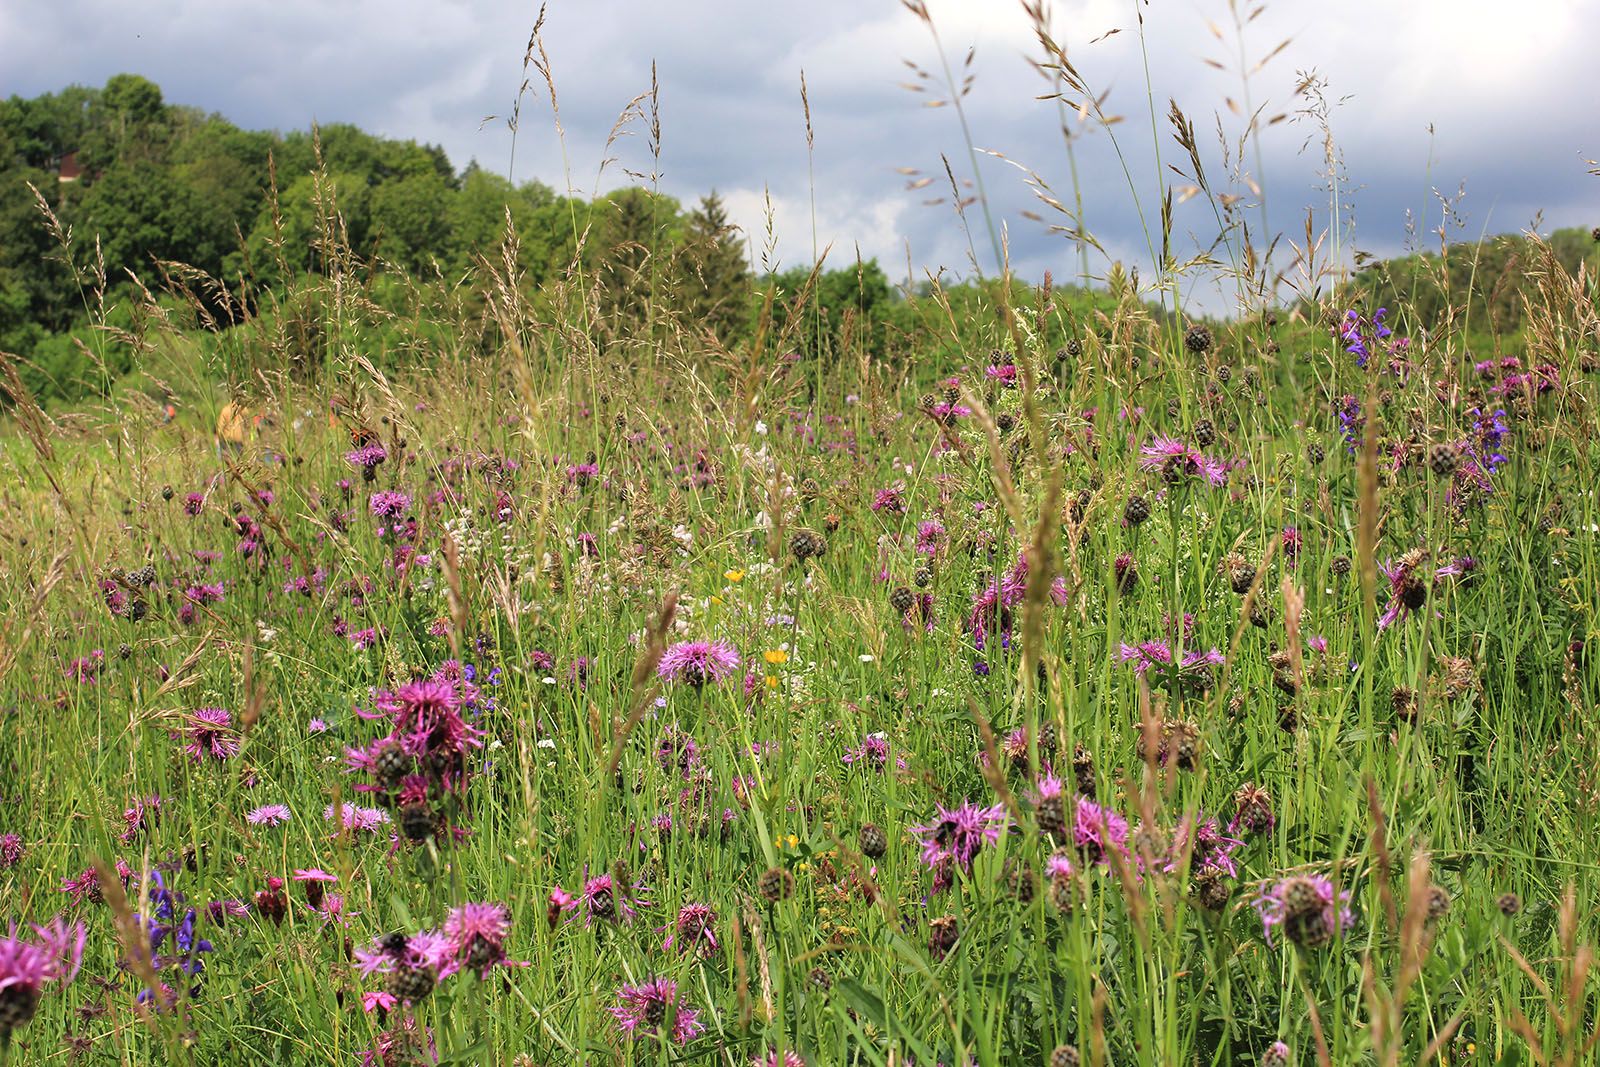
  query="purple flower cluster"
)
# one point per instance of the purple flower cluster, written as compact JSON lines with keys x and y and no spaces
{"x":956,"y":836}
{"x":992,"y":606}
{"x":1308,"y":909}
{"x":1155,"y":660}
{"x":1364,"y":338}
{"x":28,"y":965}
{"x":654,"y":1009}
{"x":1179,"y":462}
{"x":697,"y":662}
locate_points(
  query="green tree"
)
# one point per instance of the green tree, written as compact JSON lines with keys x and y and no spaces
{"x":411,"y":219}
{"x":143,"y":211}
{"x":633,"y":239}
{"x":717,"y":282}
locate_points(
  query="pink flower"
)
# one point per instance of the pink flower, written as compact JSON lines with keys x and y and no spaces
{"x":476,"y":936}
{"x":358,"y":819}
{"x":644,"y":1009}
{"x":1177,"y":461}
{"x":268,"y":815}
{"x":698,"y":662}
{"x":210,"y":735}
{"x":958,"y":834}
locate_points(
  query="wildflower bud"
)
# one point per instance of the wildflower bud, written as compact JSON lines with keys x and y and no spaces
{"x":1205,"y":433}
{"x":1252,"y":809}
{"x":271,"y":902}
{"x":1136,"y":510}
{"x":166,"y":492}
{"x":18,"y":1003}
{"x":1241,"y":574}
{"x":874,"y":842}
{"x":1509,"y":904}
{"x":1438,"y":902}
{"x":1125,"y":570}
{"x":416,"y":822}
{"x":1052,"y":815}
{"x":1005,"y":422}
{"x":922,"y":578}
{"x":943,"y":933}
{"x":1083,"y":771}
{"x":410,"y":983}
{"x":1064,"y":1056}
{"x":775,"y":884}
{"x":1211,"y":888}
{"x":820,"y":979}
{"x":392,"y":765}
{"x":1340,"y":566}
{"x":1197,"y":340}
{"x":928,"y":402}
{"x":1443,"y":459}
{"x":902,"y":599}
{"x":807,"y":544}
{"x":1074,"y":348}
{"x":952,"y":395}
{"x":1224,"y":374}
{"x":1062,"y":894}
{"x":1277,"y":1055}
{"x":1315,"y":454}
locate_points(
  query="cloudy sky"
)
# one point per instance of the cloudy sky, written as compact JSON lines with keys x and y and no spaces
{"x":1422,"y":96}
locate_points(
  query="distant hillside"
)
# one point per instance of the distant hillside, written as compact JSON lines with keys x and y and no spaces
{"x":1484,"y":282}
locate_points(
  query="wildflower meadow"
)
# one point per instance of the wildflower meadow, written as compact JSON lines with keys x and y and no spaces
{"x":1034,"y":672}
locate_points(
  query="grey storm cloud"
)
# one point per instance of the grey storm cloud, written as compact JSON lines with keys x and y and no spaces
{"x":1424,"y":96}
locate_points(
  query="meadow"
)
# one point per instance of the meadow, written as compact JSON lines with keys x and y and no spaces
{"x":546,"y":681}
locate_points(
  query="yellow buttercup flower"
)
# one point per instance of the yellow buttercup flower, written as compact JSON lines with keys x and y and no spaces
{"x":776,"y":656}
{"x":733,"y":574}
{"x":772,"y":681}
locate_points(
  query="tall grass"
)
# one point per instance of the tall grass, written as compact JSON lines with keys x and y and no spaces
{"x":581,"y":497}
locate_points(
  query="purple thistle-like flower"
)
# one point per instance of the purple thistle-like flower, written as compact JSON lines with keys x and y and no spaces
{"x":1098,"y":831}
{"x":428,"y":950}
{"x":1308,"y":908}
{"x":367,"y":456}
{"x":268,"y":815}
{"x":357,"y":819}
{"x":697,"y":662}
{"x":1177,"y":461}
{"x":476,"y":935}
{"x":790,"y":1058}
{"x":958,"y":834}
{"x":388,"y":504}
{"x":991,"y":606}
{"x":1191,"y":671}
{"x":1208,"y":847}
{"x":694,"y":931}
{"x":141,"y":815}
{"x":1058,"y":866}
{"x":644,"y":1009}
{"x":601,"y":901}
{"x":210,"y":735}
{"x":27,"y":966}
{"x":891,"y":500}
{"x":11,"y":849}
{"x":873,"y":751}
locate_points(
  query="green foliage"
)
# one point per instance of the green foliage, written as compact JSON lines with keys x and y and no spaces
{"x":1478,"y":287}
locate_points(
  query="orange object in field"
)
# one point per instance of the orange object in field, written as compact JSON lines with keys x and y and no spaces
{"x":236,"y":425}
